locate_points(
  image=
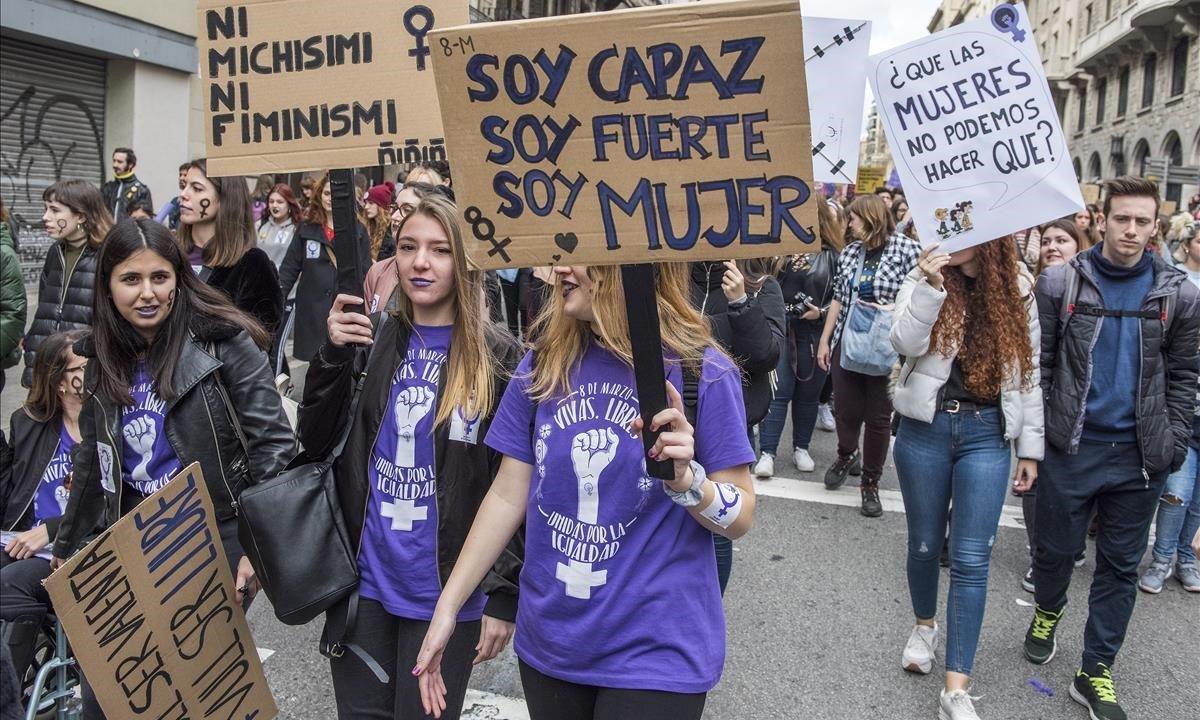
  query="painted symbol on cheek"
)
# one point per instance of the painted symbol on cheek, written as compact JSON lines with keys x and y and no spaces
{"x":77,"y":387}
{"x":171,"y":299}
{"x":62,"y":225}
{"x":204,"y":204}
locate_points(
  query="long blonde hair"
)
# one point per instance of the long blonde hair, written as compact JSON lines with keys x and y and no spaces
{"x":471,"y":363}
{"x":562,"y":340}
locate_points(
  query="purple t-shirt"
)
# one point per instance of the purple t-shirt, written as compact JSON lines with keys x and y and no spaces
{"x":619,"y":587}
{"x":148,"y":460}
{"x":50,"y":500}
{"x":397,"y":560}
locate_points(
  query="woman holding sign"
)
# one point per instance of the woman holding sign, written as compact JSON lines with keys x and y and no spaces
{"x":969,"y":394}
{"x":414,"y":468}
{"x":34,"y":489}
{"x":854,"y":348}
{"x":175,"y":374}
{"x":609,"y":551}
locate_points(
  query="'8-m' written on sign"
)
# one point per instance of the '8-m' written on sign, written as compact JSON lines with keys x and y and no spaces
{"x":683,"y":139}
{"x":291,"y":85}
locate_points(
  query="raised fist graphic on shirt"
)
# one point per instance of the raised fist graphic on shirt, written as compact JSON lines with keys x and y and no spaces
{"x":140,"y":435}
{"x":591,"y":452}
{"x":412,"y":404}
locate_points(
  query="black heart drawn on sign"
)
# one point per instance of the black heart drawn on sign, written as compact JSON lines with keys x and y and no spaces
{"x":566,"y":241}
{"x":556,"y":257}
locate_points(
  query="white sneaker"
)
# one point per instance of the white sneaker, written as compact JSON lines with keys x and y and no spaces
{"x":957,"y":705}
{"x":920,"y":648}
{"x":803,"y":461}
{"x":825,"y":418}
{"x":765,"y":467}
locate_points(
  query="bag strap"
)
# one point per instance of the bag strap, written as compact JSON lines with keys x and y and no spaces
{"x":229,"y":410}
{"x":1066,"y":306}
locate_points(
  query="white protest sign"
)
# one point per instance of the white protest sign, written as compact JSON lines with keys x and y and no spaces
{"x":974,"y":131}
{"x":835,"y":60}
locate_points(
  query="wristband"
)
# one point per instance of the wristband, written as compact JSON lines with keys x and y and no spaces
{"x":726,"y":506}
{"x":692,"y":496}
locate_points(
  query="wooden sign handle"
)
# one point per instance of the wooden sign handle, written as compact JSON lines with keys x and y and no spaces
{"x":351,"y":268}
{"x":641,"y":310}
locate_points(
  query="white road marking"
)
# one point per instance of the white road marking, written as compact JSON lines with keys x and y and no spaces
{"x":263,"y":654}
{"x":480,"y":705}
{"x":849,"y":496}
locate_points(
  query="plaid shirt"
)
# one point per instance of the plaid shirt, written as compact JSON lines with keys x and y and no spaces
{"x":899,"y":257}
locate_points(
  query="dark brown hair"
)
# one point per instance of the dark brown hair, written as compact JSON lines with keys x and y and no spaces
{"x":233,"y":232}
{"x":118,"y":345}
{"x":1130,"y":186}
{"x":830,"y":228}
{"x":82,"y":198}
{"x":43,"y":403}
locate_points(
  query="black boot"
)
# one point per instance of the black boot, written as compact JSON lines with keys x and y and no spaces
{"x":871,"y":507}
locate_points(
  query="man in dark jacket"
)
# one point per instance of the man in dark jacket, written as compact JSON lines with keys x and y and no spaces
{"x":1119,"y":373}
{"x":125,"y":189}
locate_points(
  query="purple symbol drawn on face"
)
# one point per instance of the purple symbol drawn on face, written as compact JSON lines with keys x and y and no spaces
{"x":1005,"y":19}
{"x":62,"y":225}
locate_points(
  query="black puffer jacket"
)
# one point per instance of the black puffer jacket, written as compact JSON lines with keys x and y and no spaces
{"x":33,"y":445}
{"x":464,"y":471}
{"x":753,"y":332}
{"x":64,"y":303}
{"x":198,"y":426}
{"x":1166,"y":393}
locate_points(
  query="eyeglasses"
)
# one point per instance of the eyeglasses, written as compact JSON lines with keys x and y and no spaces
{"x":78,"y":368}
{"x":405,"y":209}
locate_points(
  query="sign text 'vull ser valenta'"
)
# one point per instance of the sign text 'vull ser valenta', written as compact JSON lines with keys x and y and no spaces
{"x":659,"y":134}
{"x":293,"y":85}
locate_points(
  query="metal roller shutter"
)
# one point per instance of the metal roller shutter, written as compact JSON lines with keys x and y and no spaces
{"x":51,"y":128}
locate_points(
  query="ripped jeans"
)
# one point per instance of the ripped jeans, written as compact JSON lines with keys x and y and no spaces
{"x":961,"y":457}
{"x":1179,"y":513}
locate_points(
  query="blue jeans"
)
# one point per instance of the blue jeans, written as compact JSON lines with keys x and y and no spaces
{"x":961,"y":457}
{"x":798,"y":360}
{"x":1179,"y":513}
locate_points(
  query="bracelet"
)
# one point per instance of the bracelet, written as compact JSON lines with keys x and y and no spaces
{"x":693,"y":495}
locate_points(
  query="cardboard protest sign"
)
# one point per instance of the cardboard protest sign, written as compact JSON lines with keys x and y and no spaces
{"x":974,"y":131}
{"x":291,"y":85}
{"x":654,"y":134}
{"x":1091,"y":193}
{"x":835,"y":59}
{"x":150,"y":611}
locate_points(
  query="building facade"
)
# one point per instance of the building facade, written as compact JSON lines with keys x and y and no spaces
{"x":1125,"y":75}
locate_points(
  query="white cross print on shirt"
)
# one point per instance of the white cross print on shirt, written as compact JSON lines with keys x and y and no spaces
{"x":403,"y":513}
{"x":580,"y":578}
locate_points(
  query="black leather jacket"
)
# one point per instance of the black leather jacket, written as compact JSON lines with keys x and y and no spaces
{"x":33,"y":444}
{"x":464,"y":471}
{"x":64,"y":302}
{"x":198,"y":427}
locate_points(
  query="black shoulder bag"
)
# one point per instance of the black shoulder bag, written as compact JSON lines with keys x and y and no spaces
{"x":292,"y":530}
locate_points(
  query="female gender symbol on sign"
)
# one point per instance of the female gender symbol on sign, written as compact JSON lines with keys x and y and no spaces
{"x":421,"y":50}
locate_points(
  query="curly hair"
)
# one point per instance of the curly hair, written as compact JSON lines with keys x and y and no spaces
{"x":994,"y":316}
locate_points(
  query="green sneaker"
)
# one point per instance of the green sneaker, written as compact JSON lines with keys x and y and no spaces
{"x":1039,"y":638}
{"x":1097,"y":694}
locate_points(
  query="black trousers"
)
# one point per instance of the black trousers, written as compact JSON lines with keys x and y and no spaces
{"x":1109,"y":477}
{"x":394,"y":643}
{"x":552,"y":699}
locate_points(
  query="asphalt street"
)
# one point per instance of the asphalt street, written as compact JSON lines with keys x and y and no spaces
{"x":817,"y":615}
